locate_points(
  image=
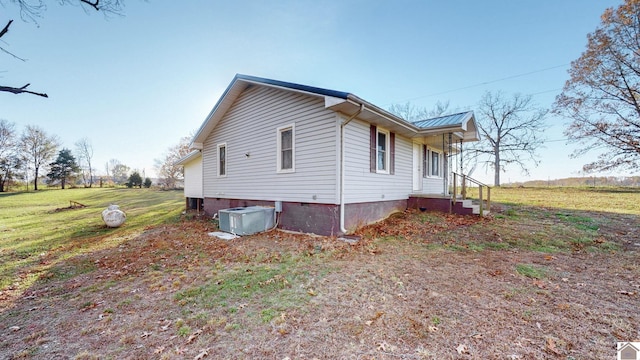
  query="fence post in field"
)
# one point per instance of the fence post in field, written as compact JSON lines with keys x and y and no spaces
{"x":480,"y":196}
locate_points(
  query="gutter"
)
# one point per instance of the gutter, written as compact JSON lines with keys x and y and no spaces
{"x":342,"y":126}
{"x":385,"y":114}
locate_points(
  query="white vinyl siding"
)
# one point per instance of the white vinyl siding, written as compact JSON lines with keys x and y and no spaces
{"x":249,"y":127}
{"x":362,"y":185}
{"x":433,"y":186}
{"x":193,"y":178}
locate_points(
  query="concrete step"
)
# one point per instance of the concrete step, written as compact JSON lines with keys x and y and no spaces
{"x":475,"y":209}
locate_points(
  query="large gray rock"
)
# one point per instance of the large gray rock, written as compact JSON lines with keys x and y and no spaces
{"x":113,"y":216}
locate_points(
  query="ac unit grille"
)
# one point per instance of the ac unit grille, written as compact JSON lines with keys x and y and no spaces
{"x":246,"y":220}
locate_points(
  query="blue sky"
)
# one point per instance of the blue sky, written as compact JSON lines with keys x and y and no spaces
{"x":135,"y":84}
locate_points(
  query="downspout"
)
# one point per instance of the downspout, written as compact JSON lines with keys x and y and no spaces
{"x":342,"y":126}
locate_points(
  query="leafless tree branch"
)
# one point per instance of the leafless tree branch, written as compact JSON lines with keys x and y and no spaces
{"x":21,"y":90}
{"x":95,"y":4}
{"x":6,"y":28}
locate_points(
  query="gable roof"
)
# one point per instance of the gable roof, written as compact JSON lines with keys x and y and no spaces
{"x":339,"y":101}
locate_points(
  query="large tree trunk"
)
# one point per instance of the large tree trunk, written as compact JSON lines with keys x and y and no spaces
{"x":496,"y":168}
{"x":35,"y":181}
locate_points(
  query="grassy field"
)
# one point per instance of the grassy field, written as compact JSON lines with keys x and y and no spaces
{"x":551,"y":274}
{"x":621,"y":200}
{"x":39,"y":225}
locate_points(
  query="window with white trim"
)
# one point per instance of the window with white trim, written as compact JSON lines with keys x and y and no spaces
{"x":382,"y":151}
{"x":286,"y":149}
{"x":222,"y":159}
{"x":435,"y":163}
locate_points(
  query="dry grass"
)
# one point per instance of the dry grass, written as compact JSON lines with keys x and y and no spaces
{"x":528,"y":283}
{"x":618,"y":200}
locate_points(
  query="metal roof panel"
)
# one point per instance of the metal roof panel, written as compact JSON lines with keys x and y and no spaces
{"x":441,"y":121}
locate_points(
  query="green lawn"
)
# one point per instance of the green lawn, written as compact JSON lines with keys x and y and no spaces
{"x":37,"y":229}
{"x":607,"y":199}
{"x":547,"y":267}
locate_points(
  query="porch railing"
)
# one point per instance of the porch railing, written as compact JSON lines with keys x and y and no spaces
{"x":463,"y":180}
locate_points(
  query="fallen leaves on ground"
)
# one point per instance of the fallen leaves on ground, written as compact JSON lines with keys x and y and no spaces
{"x":202,"y":354}
{"x":462,"y":349}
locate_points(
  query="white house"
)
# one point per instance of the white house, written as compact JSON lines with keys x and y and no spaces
{"x":192,"y":166}
{"x":333,"y":160}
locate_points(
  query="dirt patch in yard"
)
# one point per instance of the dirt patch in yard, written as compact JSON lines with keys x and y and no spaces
{"x":528,"y":283}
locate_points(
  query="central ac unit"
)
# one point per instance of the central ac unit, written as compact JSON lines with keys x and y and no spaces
{"x":246,"y":220}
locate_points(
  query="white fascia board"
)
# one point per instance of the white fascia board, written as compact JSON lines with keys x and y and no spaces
{"x":330,"y":101}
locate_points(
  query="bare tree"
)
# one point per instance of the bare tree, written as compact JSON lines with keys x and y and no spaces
{"x":30,"y":10}
{"x":38,"y":148}
{"x":7,"y":138}
{"x":119,"y":171}
{"x":85,"y":154}
{"x":9,"y":158}
{"x":410,"y":112}
{"x":511,"y":131}
{"x":602,"y":96}
{"x":168,"y":171}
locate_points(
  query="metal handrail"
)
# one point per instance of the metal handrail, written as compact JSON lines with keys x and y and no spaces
{"x":463,"y":190}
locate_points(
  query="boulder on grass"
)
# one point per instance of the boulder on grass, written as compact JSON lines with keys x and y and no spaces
{"x":113,"y":216}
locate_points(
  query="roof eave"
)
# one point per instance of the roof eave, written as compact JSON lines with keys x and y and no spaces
{"x":188,"y":158}
{"x":237,"y":85}
{"x":371,"y":113}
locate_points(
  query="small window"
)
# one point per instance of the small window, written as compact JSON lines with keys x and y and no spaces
{"x":425,"y":161}
{"x":435,"y":163}
{"x":382,"y":151}
{"x":286,"y":149}
{"x":222,"y":159}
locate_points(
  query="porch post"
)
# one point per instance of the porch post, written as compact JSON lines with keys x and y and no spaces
{"x":449,"y":162}
{"x":444,"y":176}
{"x":461,"y":167}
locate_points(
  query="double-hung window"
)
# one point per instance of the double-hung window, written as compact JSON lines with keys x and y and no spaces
{"x":382,"y":151}
{"x":435,"y":164}
{"x":431,"y":162}
{"x":222,"y":159}
{"x":286,"y":149}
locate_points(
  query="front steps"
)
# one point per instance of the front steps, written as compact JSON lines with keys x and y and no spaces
{"x":475,"y":208}
{"x":427,"y":202}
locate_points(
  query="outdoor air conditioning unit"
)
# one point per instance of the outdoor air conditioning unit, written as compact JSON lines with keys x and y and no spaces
{"x":246,"y":220}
